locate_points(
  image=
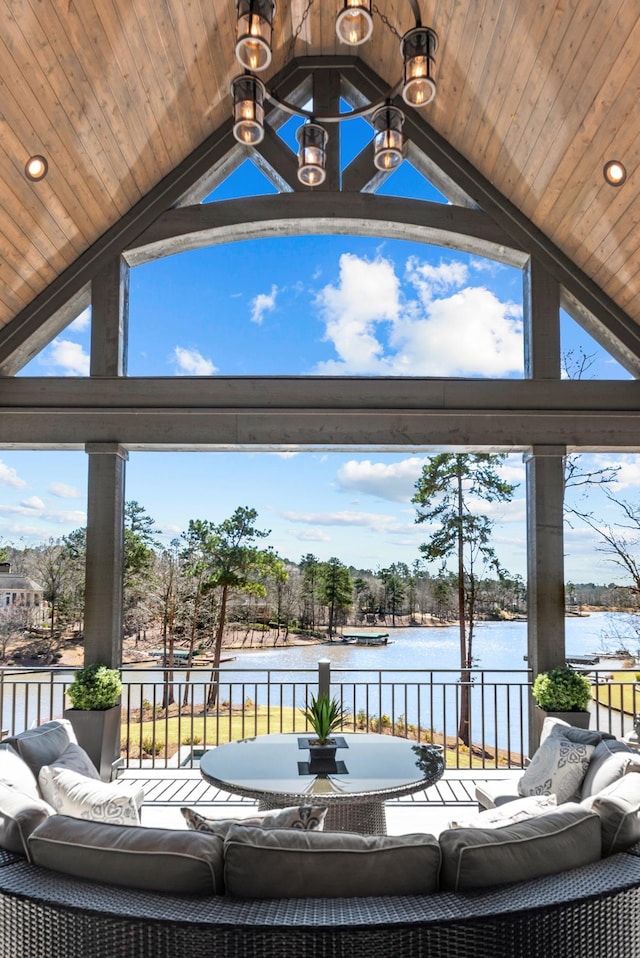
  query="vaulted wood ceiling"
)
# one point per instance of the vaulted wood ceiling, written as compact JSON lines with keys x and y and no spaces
{"x":537,"y":96}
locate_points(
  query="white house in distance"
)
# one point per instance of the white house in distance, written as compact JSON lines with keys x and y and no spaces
{"x":18,"y":590}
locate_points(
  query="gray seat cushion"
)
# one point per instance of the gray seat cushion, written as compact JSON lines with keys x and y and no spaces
{"x":480,"y":858}
{"x":154,"y":859}
{"x":288,"y":863}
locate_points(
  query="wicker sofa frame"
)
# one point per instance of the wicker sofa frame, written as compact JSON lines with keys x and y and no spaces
{"x":590,"y":912}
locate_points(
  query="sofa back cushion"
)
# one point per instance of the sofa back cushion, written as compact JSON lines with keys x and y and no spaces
{"x":288,"y":863}
{"x":583,"y":736}
{"x":76,"y":759}
{"x":610,"y":761}
{"x":618,"y":806}
{"x":15,"y":773}
{"x":19,"y":815}
{"x":154,"y":859}
{"x":480,"y":858}
{"x":42,"y":745}
{"x":558,"y":768}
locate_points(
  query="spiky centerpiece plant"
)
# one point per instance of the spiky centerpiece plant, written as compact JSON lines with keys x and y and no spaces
{"x":324,"y":715}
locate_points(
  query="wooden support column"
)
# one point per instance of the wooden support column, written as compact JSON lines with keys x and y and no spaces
{"x":326,"y":101}
{"x":110,"y":319}
{"x":541,"y":303}
{"x":106,"y":495}
{"x":545,"y":563}
{"x":105,"y":553}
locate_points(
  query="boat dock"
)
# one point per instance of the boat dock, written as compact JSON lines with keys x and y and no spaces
{"x":366,"y":638}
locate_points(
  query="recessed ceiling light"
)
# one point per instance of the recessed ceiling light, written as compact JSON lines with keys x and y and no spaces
{"x":36,"y":168}
{"x":614,"y":173}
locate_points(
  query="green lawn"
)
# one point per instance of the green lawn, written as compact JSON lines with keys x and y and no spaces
{"x":621,"y":697}
{"x":165,"y":734}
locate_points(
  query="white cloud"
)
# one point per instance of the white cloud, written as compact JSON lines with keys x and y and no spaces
{"x":468,"y":333}
{"x":263,"y":303}
{"x":34,"y":502}
{"x":628,"y":475}
{"x":309,"y":535}
{"x":372,"y":519}
{"x":192,"y":363}
{"x":367,"y":293}
{"x":35,"y":507}
{"x":393,"y":481}
{"x":376,"y":332}
{"x":10,"y":477}
{"x":62,"y":491}
{"x":81,"y":322}
{"x":69,"y":357}
{"x":431,"y":279}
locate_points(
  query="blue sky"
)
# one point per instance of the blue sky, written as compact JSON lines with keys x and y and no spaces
{"x":331,"y":305}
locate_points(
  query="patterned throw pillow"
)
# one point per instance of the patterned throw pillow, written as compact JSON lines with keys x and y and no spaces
{"x":303,"y":817}
{"x":519,"y":810}
{"x":557,"y":768}
{"x":74,"y":794}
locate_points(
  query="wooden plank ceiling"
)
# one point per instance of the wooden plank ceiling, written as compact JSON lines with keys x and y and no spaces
{"x":536,"y":95}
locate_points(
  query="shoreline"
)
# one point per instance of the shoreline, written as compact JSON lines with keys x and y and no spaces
{"x":69,"y":651}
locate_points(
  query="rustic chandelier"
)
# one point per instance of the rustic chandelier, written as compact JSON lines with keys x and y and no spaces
{"x":354,"y":26}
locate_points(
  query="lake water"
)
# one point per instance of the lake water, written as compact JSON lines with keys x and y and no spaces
{"x":497,"y":645}
{"x":499,"y":649}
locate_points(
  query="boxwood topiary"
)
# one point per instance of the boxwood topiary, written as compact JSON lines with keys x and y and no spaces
{"x":95,"y":687}
{"x":562,"y":690}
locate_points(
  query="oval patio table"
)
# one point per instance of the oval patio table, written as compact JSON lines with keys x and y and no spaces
{"x":367,"y":771}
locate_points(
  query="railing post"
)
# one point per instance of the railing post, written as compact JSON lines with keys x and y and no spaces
{"x":324,"y":677}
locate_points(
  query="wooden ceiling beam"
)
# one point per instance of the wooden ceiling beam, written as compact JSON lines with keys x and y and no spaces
{"x":308,"y":212}
{"x":174,"y":413}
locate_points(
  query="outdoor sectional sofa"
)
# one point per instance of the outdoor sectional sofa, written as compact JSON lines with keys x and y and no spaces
{"x":202,"y":887}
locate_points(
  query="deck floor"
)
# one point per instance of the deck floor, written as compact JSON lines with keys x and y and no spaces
{"x":167,"y":790}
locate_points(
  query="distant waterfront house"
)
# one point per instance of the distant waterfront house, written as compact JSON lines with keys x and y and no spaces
{"x":18,"y":590}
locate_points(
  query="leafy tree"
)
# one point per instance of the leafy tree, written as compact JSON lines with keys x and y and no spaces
{"x":51,"y":568}
{"x":447,"y":492}
{"x":394,"y":588}
{"x":138,"y":565}
{"x":74,"y":552}
{"x":229,"y":560}
{"x":310,"y":568}
{"x":336,"y":590}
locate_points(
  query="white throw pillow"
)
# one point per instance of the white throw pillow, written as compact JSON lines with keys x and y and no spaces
{"x":74,"y":794}
{"x":519,"y":810}
{"x":557,"y":768}
{"x":303,"y":818}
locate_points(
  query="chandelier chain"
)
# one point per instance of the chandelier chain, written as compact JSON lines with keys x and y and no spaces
{"x":298,"y":31}
{"x":386,"y":21}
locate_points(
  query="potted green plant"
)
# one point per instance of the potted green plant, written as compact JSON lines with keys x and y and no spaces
{"x":324,"y":715}
{"x":95,"y":714}
{"x":562,"y":693}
